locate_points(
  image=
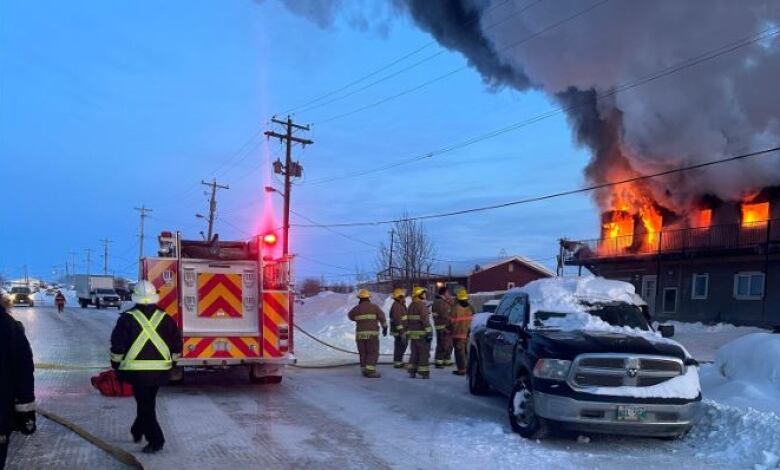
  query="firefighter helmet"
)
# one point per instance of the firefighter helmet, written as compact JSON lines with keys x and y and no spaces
{"x":399,"y":293}
{"x":462,"y":294}
{"x":418,"y":291}
{"x":145,"y":293}
{"x":364,"y":294}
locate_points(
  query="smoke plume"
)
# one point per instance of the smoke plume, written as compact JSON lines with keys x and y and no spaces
{"x":725,"y":106}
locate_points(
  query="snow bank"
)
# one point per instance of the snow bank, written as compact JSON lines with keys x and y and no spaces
{"x":746,"y":373}
{"x":704,"y":340}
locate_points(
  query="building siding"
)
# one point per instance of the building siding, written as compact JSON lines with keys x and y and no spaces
{"x":496,"y":278}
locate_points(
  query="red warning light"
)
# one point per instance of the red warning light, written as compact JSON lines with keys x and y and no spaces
{"x":269,"y":239}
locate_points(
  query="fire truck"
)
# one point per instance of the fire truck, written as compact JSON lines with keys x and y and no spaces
{"x":232,"y":303}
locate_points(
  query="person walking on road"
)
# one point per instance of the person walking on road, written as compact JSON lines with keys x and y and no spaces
{"x":17,"y":384}
{"x":368,"y":317}
{"x":145,"y":344}
{"x":397,"y":314}
{"x":59,"y":301}
{"x":420,"y":334}
{"x":441,"y":319}
{"x":462,"y":313}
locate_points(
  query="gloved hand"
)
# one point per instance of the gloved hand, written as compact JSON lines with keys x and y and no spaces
{"x":428,"y":337}
{"x":25,"y":422}
{"x":384,"y":330}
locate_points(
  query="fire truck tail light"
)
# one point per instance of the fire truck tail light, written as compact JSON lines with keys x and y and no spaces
{"x":283,"y":345}
{"x":284,"y":332}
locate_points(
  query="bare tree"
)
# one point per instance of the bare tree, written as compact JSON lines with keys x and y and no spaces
{"x":412,"y":252}
{"x":311,"y":286}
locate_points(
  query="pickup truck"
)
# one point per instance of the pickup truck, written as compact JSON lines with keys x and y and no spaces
{"x":574,"y":359}
{"x":22,"y":296}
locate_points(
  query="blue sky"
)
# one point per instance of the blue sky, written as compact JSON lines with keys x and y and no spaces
{"x":108,"y":105}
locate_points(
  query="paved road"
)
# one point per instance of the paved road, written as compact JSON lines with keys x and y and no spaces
{"x":329,"y":418}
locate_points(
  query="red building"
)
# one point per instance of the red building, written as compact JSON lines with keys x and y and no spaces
{"x":506,"y":274}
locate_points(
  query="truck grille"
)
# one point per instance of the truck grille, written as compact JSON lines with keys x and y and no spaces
{"x":616,"y":370}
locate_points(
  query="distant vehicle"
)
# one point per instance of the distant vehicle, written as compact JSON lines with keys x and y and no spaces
{"x":491,"y":305}
{"x":21,"y":295}
{"x":583,"y":360}
{"x":124,"y":293}
{"x":96,"y":290}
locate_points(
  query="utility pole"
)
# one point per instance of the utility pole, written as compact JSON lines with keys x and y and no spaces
{"x":72,"y":262}
{"x":143,"y":210}
{"x":390,"y":267}
{"x":212,"y":203}
{"x":89,"y":260}
{"x":290,"y":169}
{"x":105,"y":241}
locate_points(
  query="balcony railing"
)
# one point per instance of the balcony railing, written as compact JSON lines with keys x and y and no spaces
{"x":717,"y":237}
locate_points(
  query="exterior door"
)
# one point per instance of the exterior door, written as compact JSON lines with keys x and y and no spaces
{"x":650,"y":291}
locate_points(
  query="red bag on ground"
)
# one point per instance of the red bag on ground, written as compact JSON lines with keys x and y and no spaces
{"x":108,"y":384}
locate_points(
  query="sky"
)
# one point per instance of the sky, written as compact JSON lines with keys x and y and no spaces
{"x":105,"y":106}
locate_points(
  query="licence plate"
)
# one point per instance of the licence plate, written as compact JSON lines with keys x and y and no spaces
{"x":631,"y":413}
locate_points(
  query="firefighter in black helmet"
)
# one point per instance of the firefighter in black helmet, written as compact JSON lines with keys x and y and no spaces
{"x":145,"y":344}
{"x":17,"y":385}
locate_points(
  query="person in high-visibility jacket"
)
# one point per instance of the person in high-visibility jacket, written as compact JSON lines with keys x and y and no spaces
{"x":397,"y":314}
{"x":145,"y":345}
{"x":440,"y":310}
{"x":418,"y":329}
{"x":368,"y":317}
{"x":462,"y":313}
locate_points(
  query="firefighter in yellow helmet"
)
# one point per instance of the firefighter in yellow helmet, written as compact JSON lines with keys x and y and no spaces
{"x":420,"y":333}
{"x":397,"y":314}
{"x":145,"y":345}
{"x":462,"y":313}
{"x":368,"y":317}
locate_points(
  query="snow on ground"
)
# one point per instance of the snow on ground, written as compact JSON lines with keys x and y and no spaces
{"x":704,"y":340}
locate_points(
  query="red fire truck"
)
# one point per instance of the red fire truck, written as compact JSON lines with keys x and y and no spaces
{"x":233,"y":305}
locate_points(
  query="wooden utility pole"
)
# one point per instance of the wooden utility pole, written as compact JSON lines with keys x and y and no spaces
{"x":105,"y":241}
{"x":390,"y":260}
{"x":290,"y":169}
{"x":213,"y":203}
{"x":143,"y":210}
{"x":89,"y":260}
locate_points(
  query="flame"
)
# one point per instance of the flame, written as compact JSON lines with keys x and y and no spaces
{"x":653,"y":222}
{"x":618,"y":232}
{"x":703,"y":218}
{"x":753,"y":213}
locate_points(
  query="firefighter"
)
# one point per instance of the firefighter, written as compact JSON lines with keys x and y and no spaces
{"x":397,"y":314}
{"x":440,"y":310}
{"x":59,"y":300}
{"x":17,"y":385}
{"x":418,"y":330}
{"x":368,"y":317}
{"x":145,"y":344}
{"x":462,"y":313}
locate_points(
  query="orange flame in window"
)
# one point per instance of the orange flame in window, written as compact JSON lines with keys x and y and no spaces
{"x":754,"y":213}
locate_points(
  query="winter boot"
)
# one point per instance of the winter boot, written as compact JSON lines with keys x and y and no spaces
{"x":373,"y":375}
{"x":459,"y":372}
{"x":398,"y":365}
{"x":150,"y":449}
{"x":412,"y":373}
{"x":425,"y":375}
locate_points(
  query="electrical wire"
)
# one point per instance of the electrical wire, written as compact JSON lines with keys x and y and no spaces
{"x":553,"y":195}
{"x":685,"y":64}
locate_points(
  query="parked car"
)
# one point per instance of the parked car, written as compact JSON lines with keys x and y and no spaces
{"x":579,"y":355}
{"x":106,"y":298}
{"x":21,"y":295}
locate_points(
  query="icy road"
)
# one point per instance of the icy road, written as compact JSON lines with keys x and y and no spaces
{"x":328,"y":418}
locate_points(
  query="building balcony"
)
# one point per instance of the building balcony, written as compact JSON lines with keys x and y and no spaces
{"x":754,"y":237}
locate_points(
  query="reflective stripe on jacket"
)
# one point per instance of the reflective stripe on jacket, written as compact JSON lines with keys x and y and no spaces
{"x":368,"y":317}
{"x":397,"y":316}
{"x":418,"y":322}
{"x":130,"y":361}
{"x":461,"y":320}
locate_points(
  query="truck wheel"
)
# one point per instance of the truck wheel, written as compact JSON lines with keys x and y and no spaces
{"x":97,"y":304}
{"x":522,"y":411}
{"x":82,"y":304}
{"x":477,"y":384}
{"x":256,"y":378}
{"x":32,"y":304}
{"x":177,"y":375}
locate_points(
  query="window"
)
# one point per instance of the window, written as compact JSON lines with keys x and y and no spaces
{"x":510,"y":285}
{"x":511,"y":267}
{"x":670,"y":299}
{"x":700,"y":286}
{"x":517,"y":311}
{"x":749,"y":286}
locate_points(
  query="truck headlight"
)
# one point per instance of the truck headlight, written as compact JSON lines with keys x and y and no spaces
{"x":552,"y":369}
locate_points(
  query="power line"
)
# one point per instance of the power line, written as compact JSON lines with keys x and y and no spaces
{"x":336,"y":232}
{"x":307,"y":105}
{"x":554,"y":195}
{"x":464,"y":67}
{"x":709,"y":55}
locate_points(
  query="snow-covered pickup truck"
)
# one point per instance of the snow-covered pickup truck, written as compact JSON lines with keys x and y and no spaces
{"x":578,"y":354}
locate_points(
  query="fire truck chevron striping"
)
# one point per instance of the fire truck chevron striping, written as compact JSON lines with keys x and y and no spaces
{"x":232,"y":304}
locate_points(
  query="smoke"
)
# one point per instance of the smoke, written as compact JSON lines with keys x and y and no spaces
{"x":725,"y":106}
{"x":363,"y":15}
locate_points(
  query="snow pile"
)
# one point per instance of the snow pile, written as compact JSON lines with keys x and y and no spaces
{"x":746,"y":373}
{"x":684,"y":386}
{"x":566,"y":295}
{"x":704,"y":340}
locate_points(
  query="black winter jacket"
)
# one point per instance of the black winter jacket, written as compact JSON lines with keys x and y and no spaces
{"x":17,"y":384}
{"x":127,"y":330}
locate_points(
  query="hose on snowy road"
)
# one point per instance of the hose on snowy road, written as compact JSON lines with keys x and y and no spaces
{"x":117,"y":453}
{"x":324,"y":343}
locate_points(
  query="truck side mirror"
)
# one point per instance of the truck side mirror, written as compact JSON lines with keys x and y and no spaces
{"x":497,"y":322}
{"x":667,"y":331}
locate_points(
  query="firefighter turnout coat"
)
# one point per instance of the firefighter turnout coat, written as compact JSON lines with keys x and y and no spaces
{"x":368,"y":317}
{"x":145,"y":344}
{"x":17,"y":394}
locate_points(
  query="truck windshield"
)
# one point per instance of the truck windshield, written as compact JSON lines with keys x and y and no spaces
{"x":106,"y":291}
{"x":20,"y":290}
{"x":618,"y":314}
